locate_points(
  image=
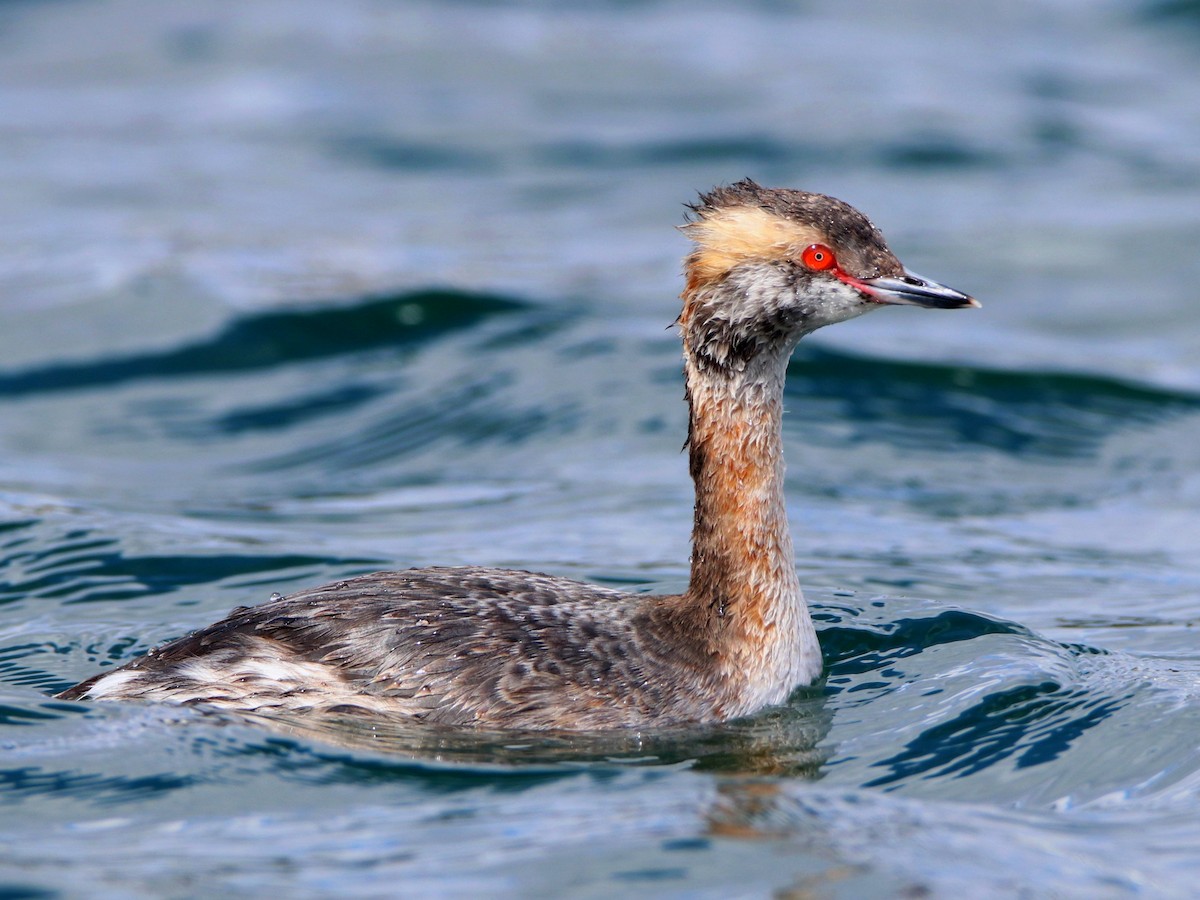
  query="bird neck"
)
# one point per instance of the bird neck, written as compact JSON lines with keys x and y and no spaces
{"x":744,"y":589}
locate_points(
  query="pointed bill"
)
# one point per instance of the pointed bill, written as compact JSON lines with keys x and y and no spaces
{"x":913,"y":290}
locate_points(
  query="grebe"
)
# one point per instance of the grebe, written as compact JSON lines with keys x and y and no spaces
{"x":510,"y":649}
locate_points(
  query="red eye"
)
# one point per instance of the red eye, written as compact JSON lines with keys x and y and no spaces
{"x":818,"y":257}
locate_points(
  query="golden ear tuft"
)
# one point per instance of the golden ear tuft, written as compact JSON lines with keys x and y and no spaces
{"x":729,"y":236}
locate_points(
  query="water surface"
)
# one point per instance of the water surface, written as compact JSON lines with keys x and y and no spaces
{"x":304,"y":290}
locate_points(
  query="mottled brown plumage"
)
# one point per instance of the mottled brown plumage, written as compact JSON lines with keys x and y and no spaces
{"x":454,"y":646}
{"x":513,"y":649}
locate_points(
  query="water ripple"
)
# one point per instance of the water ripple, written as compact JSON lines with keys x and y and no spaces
{"x":270,"y":339}
{"x":936,"y":406}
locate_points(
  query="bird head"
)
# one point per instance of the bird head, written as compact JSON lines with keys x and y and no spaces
{"x":771,"y":265}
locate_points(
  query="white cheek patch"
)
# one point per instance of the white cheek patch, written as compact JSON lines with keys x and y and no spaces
{"x":833,"y":301}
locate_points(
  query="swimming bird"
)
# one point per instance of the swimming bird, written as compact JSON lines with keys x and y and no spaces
{"x":497,"y":648}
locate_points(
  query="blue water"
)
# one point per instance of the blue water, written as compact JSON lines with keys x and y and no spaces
{"x":296,"y":289}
